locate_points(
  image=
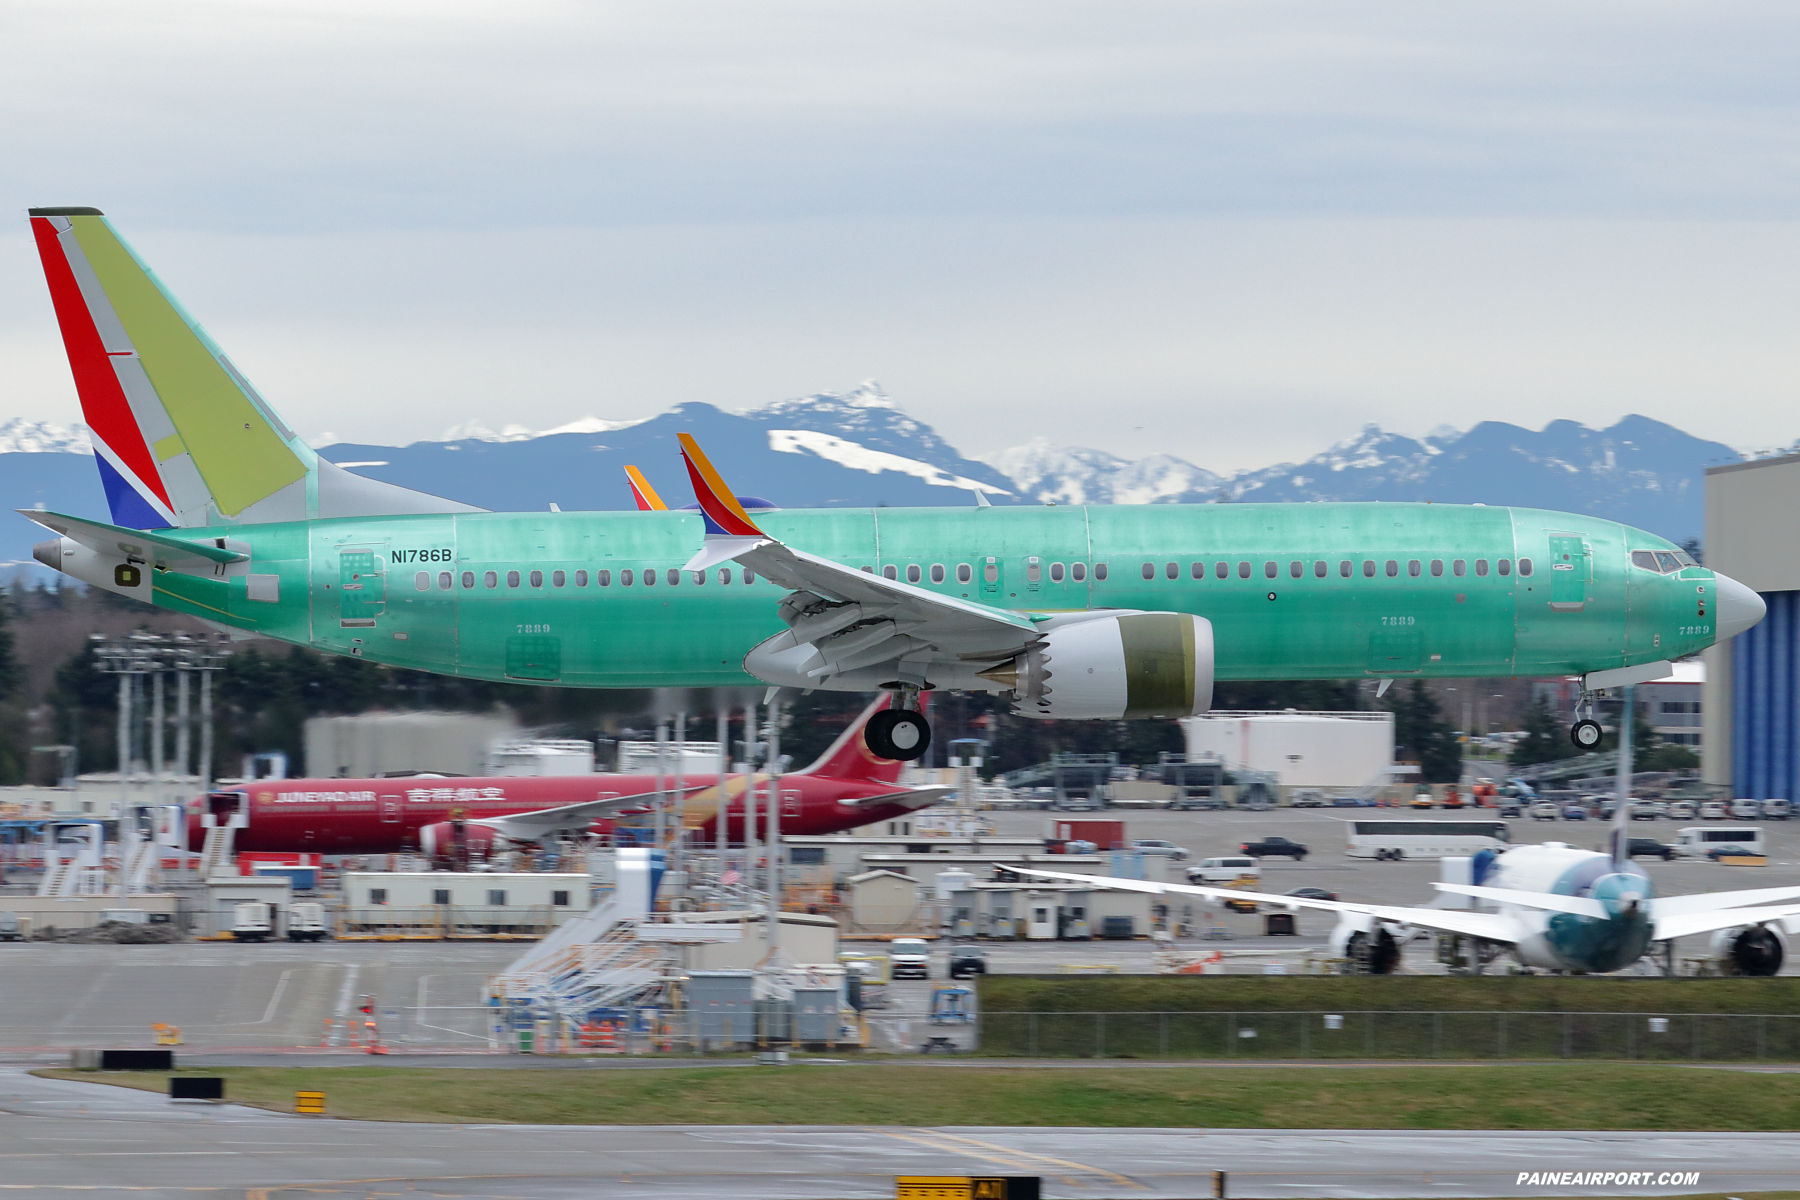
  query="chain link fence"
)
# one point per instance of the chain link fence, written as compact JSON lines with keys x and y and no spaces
{"x":1654,"y":1037}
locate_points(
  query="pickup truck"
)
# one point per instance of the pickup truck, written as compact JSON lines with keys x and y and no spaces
{"x":1272,"y":847}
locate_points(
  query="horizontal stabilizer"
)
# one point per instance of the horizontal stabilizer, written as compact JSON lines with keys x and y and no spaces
{"x":1581,"y":906}
{"x":114,"y":541}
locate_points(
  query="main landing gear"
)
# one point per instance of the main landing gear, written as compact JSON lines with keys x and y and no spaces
{"x":1586,"y":732}
{"x":900,"y":732}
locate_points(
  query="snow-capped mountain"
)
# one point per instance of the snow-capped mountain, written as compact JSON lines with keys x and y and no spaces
{"x":1075,"y":475}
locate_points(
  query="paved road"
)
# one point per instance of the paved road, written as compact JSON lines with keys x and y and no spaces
{"x":57,"y":1137}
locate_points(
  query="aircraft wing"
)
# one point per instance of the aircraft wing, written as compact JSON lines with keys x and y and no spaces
{"x":1488,"y":926}
{"x":1683,"y":924}
{"x":841,"y":619}
{"x":1703,"y":902}
{"x":918,"y":797}
{"x":529,"y":826}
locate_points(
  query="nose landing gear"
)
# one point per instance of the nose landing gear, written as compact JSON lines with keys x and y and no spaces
{"x":1585,"y":734}
{"x":900,"y":732}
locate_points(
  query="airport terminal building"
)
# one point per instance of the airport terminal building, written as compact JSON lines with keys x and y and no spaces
{"x":1751,"y":710}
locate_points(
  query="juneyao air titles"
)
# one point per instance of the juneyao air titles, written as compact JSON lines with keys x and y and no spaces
{"x":220,"y":511}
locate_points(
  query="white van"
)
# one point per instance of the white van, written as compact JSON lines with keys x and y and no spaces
{"x":1745,"y":810}
{"x":1777,"y":810}
{"x":1225,"y":869}
{"x":1697,"y":841}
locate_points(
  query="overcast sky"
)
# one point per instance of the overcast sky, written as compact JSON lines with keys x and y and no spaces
{"x":1231,"y":231}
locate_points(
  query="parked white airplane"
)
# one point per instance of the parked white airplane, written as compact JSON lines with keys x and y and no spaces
{"x":1556,"y":907}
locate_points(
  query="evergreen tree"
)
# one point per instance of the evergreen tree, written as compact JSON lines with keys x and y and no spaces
{"x":1544,"y":740}
{"x":1420,"y":729}
{"x":15,"y":733}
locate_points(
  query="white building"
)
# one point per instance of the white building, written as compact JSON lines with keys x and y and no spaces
{"x":1302,"y":749}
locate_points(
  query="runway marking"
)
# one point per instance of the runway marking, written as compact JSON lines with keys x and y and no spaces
{"x":280,"y":987}
{"x":1017,"y":1160}
{"x":1125,"y":1180}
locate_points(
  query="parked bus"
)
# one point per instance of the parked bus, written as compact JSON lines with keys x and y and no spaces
{"x":1697,"y":841}
{"x":1425,"y":839}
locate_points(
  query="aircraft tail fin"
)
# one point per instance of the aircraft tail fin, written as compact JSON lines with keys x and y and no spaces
{"x":643,"y":493}
{"x":849,"y":758}
{"x":180,"y":437}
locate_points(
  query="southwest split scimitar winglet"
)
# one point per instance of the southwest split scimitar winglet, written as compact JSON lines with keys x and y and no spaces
{"x":729,"y":529}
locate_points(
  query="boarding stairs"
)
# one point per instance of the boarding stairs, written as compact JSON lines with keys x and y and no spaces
{"x":61,"y":878}
{"x":216,"y":853}
{"x":611,"y":972}
{"x":136,"y":869}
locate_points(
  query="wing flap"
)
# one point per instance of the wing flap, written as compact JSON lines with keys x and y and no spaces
{"x":1700,"y":902}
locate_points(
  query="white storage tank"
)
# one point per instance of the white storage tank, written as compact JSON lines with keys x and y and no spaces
{"x":1310,"y":749}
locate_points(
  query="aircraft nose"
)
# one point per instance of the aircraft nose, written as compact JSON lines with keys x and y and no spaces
{"x":1738,"y":608}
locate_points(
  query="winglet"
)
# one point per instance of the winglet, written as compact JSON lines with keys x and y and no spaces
{"x":725,"y":517}
{"x":643,"y":493}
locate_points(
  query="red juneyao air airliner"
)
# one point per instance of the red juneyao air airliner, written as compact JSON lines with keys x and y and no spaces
{"x":454,"y":816}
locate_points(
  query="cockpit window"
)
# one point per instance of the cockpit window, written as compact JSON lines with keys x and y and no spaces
{"x":1667,"y":561}
{"x":1645,"y":559}
{"x":1685,"y":559}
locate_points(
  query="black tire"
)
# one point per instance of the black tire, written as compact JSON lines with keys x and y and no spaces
{"x":1585,"y":734}
{"x":1397,"y":855}
{"x":899,"y":736}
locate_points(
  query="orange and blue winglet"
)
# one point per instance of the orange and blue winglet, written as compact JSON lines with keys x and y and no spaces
{"x":725,"y":517}
{"x":643,"y":493}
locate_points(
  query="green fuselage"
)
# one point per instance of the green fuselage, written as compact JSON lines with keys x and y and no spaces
{"x":394,"y":589}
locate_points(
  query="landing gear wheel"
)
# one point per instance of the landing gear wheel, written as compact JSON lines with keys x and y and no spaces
{"x":903,"y":736}
{"x":1585,"y":734}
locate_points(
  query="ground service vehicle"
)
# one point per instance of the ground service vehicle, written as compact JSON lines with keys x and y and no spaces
{"x":1423,"y":800}
{"x":253,"y":921}
{"x":306,"y":922}
{"x":909,"y":958}
{"x":967,"y":960}
{"x":1393,"y":840}
{"x":1274,"y":847}
{"x":1699,"y":841}
{"x":1224,"y":869}
{"x":221,"y":511}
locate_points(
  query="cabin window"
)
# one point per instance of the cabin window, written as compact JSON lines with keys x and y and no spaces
{"x":1393,"y":568}
{"x":1345,"y":567}
{"x":537,"y":579}
{"x":1437,"y":568}
{"x":1034,"y":570}
{"x":603,"y":578}
{"x":964,"y":572}
{"x":1414,"y":568}
{"x":1459,"y":568}
{"x":913,"y":573}
{"x":444,"y":581}
{"x":890,"y":572}
{"x":512,"y":579}
{"x":1172,"y":570}
{"x":581,"y":579}
{"x":1197,"y":570}
{"x":422,"y":581}
{"x":699,"y":577}
{"x":1524,"y":566}
{"x":1222,"y":570}
{"x":1296,"y":569}
{"x":724,"y":574}
{"x":558,"y":579}
{"x":490,"y":579}
{"x":625,"y":577}
{"x":1503,"y":565}
{"x":868,"y":570}
{"x":1078,"y":572}
{"x":1243,"y":570}
{"x":1481,"y":566}
{"x":1056,"y":572}
{"x":1269,"y":570}
{"x":650,"y":577}
{"x":440,"y":895}
{"x":1319,"y":569}
{"x":672,"y":576}
{"x":1149,"y":570}
{"x":749,"y":576}
{"x":468,"y":579}
{"x":1100,"y":572}
{"x":937,"y":572}
{"x":990,"y":570}
{"x":1368,"y":568}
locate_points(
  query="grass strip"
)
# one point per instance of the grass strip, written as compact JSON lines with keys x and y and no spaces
{"x":1540,"y":1097}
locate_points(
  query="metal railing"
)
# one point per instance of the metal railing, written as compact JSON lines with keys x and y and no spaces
{"x":1349,"y":1034}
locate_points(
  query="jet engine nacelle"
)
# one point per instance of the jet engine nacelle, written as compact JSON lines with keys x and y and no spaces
{"x":1750,"y":949}
{"x":457,"y":841}
{"x":1370,"y":946}
{"x":1116,"y":666}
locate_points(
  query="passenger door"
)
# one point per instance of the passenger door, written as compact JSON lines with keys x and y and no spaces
{"x":1571,"y":570}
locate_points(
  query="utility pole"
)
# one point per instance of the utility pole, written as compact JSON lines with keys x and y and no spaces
{"x":722,"y":729}
{"x":1627,"y":715}
{"x":774,"y":718}
{"x":680,"y":806}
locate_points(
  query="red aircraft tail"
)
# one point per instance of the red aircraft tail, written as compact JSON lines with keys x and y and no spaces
{"x":849,"y":758}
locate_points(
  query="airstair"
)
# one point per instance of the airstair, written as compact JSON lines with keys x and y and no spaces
{"x":60,"y":878}
{"x":215,"y":855}
{"x":1582,"y":766}
{"x":136,"y":869}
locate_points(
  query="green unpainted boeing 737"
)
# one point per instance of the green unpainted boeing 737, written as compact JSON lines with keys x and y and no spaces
{"x":219,"y":511}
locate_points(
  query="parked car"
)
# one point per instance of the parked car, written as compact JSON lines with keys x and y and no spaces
{"x":1158,"y":846}
{"x":967,"y":960}
{"x":910,"y":958}
{"x":1575,"y":811}
{"x":1223,"y":869}
{"x":1648,"y":810}
{"x":1608,"y":808}
{"x":1352,"y":802}
{"x":1274,"y":847}
{"x":1649,"y":848}
{"x":1729,"y":850}
{"x":1510,"y":807}
{"x":1681,"y":810}
{"x":1746,"y":810}
{"x":1313,"y":893}
{"x":1545,"y":810}
{"x":1715,"y":810}
{"x":1424,"y":800}
{"x":1777,"y":810}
